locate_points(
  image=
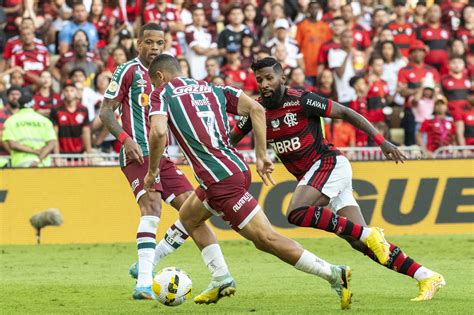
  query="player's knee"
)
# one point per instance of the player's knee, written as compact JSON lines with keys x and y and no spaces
{"x":265,"y":241}
{"x":151,"y":205}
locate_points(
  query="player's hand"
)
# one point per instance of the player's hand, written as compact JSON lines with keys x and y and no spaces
{"x":265,"y":169}
{"x":133,"y":151}
{"x":391,"y":152}
{"x":149,"y":181}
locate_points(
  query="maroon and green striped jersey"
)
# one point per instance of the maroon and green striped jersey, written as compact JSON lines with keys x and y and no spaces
{"x":131,"y":87}
{"x":197,"y":118}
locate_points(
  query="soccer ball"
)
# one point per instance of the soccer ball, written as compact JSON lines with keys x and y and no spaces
{"x":172,"y":286}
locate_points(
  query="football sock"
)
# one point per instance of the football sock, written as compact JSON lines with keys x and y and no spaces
{"x":312,"y":264}
{"x":324,"y":219}
{"x":173,"y":239}
{"x":401,"y":263}
{"x":146,"y":243}
{"x":214,"y":260}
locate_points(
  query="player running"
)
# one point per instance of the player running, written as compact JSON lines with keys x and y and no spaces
{"x":325,"y":176}
{"x":129,"y":91}
{"x":196,"y":114}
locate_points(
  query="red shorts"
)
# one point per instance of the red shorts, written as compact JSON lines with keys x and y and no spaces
{"x":230,"y":199}
{"x":172,"y":181}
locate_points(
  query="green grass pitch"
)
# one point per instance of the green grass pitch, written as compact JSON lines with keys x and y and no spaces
{"x":94,"y":279}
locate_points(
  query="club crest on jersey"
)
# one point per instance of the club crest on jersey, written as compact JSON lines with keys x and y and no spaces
{"x":290,"y":120}
{"x":113,"y":86}
{"x":188,"y":89}
{"x":275,"y":123}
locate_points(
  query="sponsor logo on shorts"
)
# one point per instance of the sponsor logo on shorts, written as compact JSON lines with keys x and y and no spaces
{"x":135,"y":184}
{"x":244,"y":199}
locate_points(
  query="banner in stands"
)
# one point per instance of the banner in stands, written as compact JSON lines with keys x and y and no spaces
{"x":418,"y":197}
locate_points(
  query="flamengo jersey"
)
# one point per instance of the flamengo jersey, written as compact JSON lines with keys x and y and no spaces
{"x":294,"y":130}
{"x":130,"y":86}
{"x":198,"y":120}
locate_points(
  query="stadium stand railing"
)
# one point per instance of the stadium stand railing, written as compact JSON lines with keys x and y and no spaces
{"x":353,"y":153}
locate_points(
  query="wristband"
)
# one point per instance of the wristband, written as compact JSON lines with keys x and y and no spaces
{"x":122,"y":137}
{"x":379,"y":139}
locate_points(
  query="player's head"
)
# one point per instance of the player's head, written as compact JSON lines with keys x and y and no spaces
{"x":163,"y":69}
{"x":271,"y":81}
{"x":456,"y":64}
{"x":151,"y":42}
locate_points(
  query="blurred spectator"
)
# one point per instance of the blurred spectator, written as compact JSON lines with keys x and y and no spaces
{"x":32,"y":58}
{"x":297,"y":80}
{"x":79,"y":57}
{"x":378,"y":93}
{"x":78,"y":22}
{"x":403,"y":31}
{"x":418,"y":16}
{"x":250,"y":13}
{"x":456,"y":85}
{"x":451,"y":16}
{"x":184,"y":14}
{"x":361,"y":36}
{"x":71,"y":123}
{"x":277,"y":12}
{"x":212,"y":68}
{"x":118,"y":57}
{"x":294,"y":56}
{"x":45,"y":98}
{"x":366,"y":14}
{"x":436,"y":37}
{"x":217,"y":80}
{"x":185,"y":67}
{"x":440,"y":130}
{"x":87,"y":96}
{"x":280,"y":52}
{"x":338,"y":26}
{"x":340,"y":133}
{"x":126,"y":41}
{"x":333,"y":9}
{"x":199,"y":44}
{"x":248,"y":47}
{"x":464,"y":121}
{"x":325,"y":85}
{"x":30,"y":136}
{"x":10,"y":107}
{"x":102,"y":24}
{"x":341,"y":61}
{"x":232,"y":34}
{"x":359,"y":104}
{"x":234,"y":74}
{"x":12,"y":9}
{"x":379,"y":21}
{"x":311,"y":34}
{"x":466,"y":29}
{"x":410,"y":80}
{"x":423,"y":103}
{"x":164,"y":14}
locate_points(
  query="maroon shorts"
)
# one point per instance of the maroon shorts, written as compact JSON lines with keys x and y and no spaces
{"x":172,"y":181}
{"x":230,"y":199}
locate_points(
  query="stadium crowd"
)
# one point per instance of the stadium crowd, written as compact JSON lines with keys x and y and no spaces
{"x":407,"y":66}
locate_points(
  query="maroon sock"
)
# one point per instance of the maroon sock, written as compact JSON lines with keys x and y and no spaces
{"x":324,"y":219}
{"x":398,"y":261}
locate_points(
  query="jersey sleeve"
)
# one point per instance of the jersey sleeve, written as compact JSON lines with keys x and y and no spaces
{"x":120,"y":83}
{"x":158,"y":102}
{"x":243,"y":126}
{"x":231,"y":96}
{"x":315,"y":105}
{"x":424,"y":126}
{"x":7,"y":131}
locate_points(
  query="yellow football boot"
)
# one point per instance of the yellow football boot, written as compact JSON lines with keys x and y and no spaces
{"x":428,"y":287}
{"x":378,"y":245}
{"x":216,"y":290}
{"x":342,"y":285}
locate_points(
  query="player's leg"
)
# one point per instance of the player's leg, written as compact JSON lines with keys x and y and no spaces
{"x":324,"y":181}
{"x":150,"y":212}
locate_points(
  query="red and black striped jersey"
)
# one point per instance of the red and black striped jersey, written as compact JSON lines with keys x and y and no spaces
{"x":467,"y":116}
{"x":437,"y":39}
{"x":440,"y":132}
{"x":48,"y":102}
{"x":451,"y":14}
{"x":360,"y":106}
{"x":403,"y":35}
{"x":376,"y":101}
{"x":32,"y":61}
{"x":412,"y":76}
{"x":456,"y":91}
{"x":324,"y":52}
{"x":15,"y":43}
{"x":70,"y":126}
{"x":294,"y":130}
{"x":361,"y":37}
{"x":467,"y":37}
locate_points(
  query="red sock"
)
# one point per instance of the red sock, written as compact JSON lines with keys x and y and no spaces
{"x":324,"y":219}
{"x":398,"y":261}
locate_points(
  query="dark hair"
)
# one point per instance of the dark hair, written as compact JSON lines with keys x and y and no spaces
{"x":151,"y":26}
{"x":74,"y":38}
{"x":337,"y":18}
{"x":396,"y":50}
{"x":180,"y":59}
{"x":462,"y":20}
{"x":319,"y":81}
{"x":379,"y":8}
{"x":375,"y":55}
{"x":267,"y":62}
{"x":354,"y":79}
{"x":164,"y":62}
{"x":452,"y":57}
{"x":234,"y":7}
{"x":78,"y":69}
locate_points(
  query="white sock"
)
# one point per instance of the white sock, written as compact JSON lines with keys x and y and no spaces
{"x":214,"y":260}
{"x":365,"y":233}
{"x":312,"y":264}
{"x":173,"y":239}
{"x":423,"y":273}
{"x":146,"y":243}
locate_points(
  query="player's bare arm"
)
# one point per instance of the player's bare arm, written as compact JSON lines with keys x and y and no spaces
{"x":107,"y":116}
{"x":158,"y":131}
{"x":390,"y":151}
{"x":249,"y":107}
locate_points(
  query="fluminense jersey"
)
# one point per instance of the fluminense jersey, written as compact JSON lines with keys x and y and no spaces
{"x":197,"y":118}
{"x":294,"y":130}
{"x":131,"y":87}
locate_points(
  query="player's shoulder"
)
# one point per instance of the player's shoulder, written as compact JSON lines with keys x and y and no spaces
{"x":294,"y":92}
{"x":126,"y":68}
